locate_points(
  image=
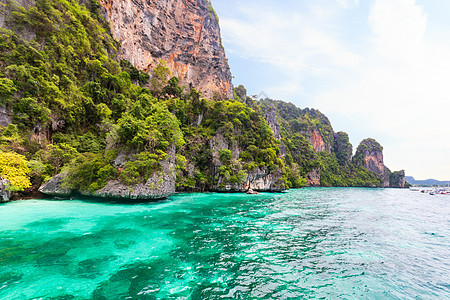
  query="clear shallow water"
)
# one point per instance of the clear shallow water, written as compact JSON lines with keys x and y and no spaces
{"x":310,"y":243}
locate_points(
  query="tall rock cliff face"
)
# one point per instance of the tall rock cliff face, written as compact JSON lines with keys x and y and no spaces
{"x":369,"y":154}
{"x":317,"y":141}
{"x":185,"y":33}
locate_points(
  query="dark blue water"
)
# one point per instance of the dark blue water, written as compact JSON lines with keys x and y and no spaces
{"x":310,"y":243}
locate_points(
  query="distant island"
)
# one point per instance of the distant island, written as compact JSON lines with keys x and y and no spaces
{"x":101,"y":99}
{"x":427,"y":182}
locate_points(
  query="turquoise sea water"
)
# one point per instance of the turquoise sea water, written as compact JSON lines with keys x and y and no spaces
{"x":310,"y":243}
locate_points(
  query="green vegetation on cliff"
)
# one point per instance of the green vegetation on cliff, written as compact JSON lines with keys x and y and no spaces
{"x":299,"y":128}
{"x":78,"y":110}
{"x":72,"y":100}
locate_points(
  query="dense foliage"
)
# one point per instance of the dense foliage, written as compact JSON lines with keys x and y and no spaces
{"x":78,"y":110}
{"x":72,"y":99}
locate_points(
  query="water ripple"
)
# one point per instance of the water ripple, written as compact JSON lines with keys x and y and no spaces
{"x":304,"y":244}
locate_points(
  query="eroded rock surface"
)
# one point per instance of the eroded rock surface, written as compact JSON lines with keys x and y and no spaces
{"x":369,"y":154}
{"x":184,"y":33}
{"x":160,"y":185}
{"x":5,"y":116}
{"x":55,"y":187}
{"x":5,"y":194}
{"x":313,"y":177}
{"x":271,"y":118}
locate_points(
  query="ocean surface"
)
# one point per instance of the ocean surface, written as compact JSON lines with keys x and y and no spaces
{"x":336,"y":243}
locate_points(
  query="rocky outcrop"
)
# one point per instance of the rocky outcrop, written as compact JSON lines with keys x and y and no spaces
{"x":55,"y":187}
{"x":184,"y":33}
{"x":5,"y":116}
{"x":159,"y":186}
{"x":313,"y":177}
{"x":265,"y":181}
{"x":369,"y":154}
{"x":271,"y":118}
{"x":260,"y":179}
{"x":5,"y":193}
{"x":317,"y":141}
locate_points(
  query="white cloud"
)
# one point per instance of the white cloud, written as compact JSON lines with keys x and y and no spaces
{"x":296,"y":43}
{"x":347,"y":3}
{"x":399,"y":27}
{"x":401,"y":93}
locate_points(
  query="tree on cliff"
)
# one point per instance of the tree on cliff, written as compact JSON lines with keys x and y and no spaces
{"x":159,"y":76}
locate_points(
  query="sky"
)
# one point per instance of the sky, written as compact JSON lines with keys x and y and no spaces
{"x":375,"y":68}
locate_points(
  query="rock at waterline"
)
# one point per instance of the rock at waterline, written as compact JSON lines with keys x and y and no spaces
{"x":159,"y":186}
{"x":5,"y":193}
{"x":54,"y":187}
{"x":252,"y":192}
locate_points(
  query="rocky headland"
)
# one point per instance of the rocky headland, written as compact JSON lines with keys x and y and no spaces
{"x":78,"y":104}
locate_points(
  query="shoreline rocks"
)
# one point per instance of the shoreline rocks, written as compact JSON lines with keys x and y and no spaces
{"x":5,"y":194}
{"x":159,"y":186}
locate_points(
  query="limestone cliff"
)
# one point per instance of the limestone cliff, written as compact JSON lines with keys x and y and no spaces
{"x":397,"y":179}
{"x":259,"y":178}
{"x":316,"y":140}
{"x":313,"y":177}
{"x":185,"y":33}
{"x":369,"y":154}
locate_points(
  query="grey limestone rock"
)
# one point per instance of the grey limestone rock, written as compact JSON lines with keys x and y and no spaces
{"x":160,"y":185}
{"x":5,"y":194}
{"x":55,"y":187}
{"x":5,"y":116}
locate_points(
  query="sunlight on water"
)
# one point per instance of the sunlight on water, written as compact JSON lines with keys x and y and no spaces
{"x":310,"y":243}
